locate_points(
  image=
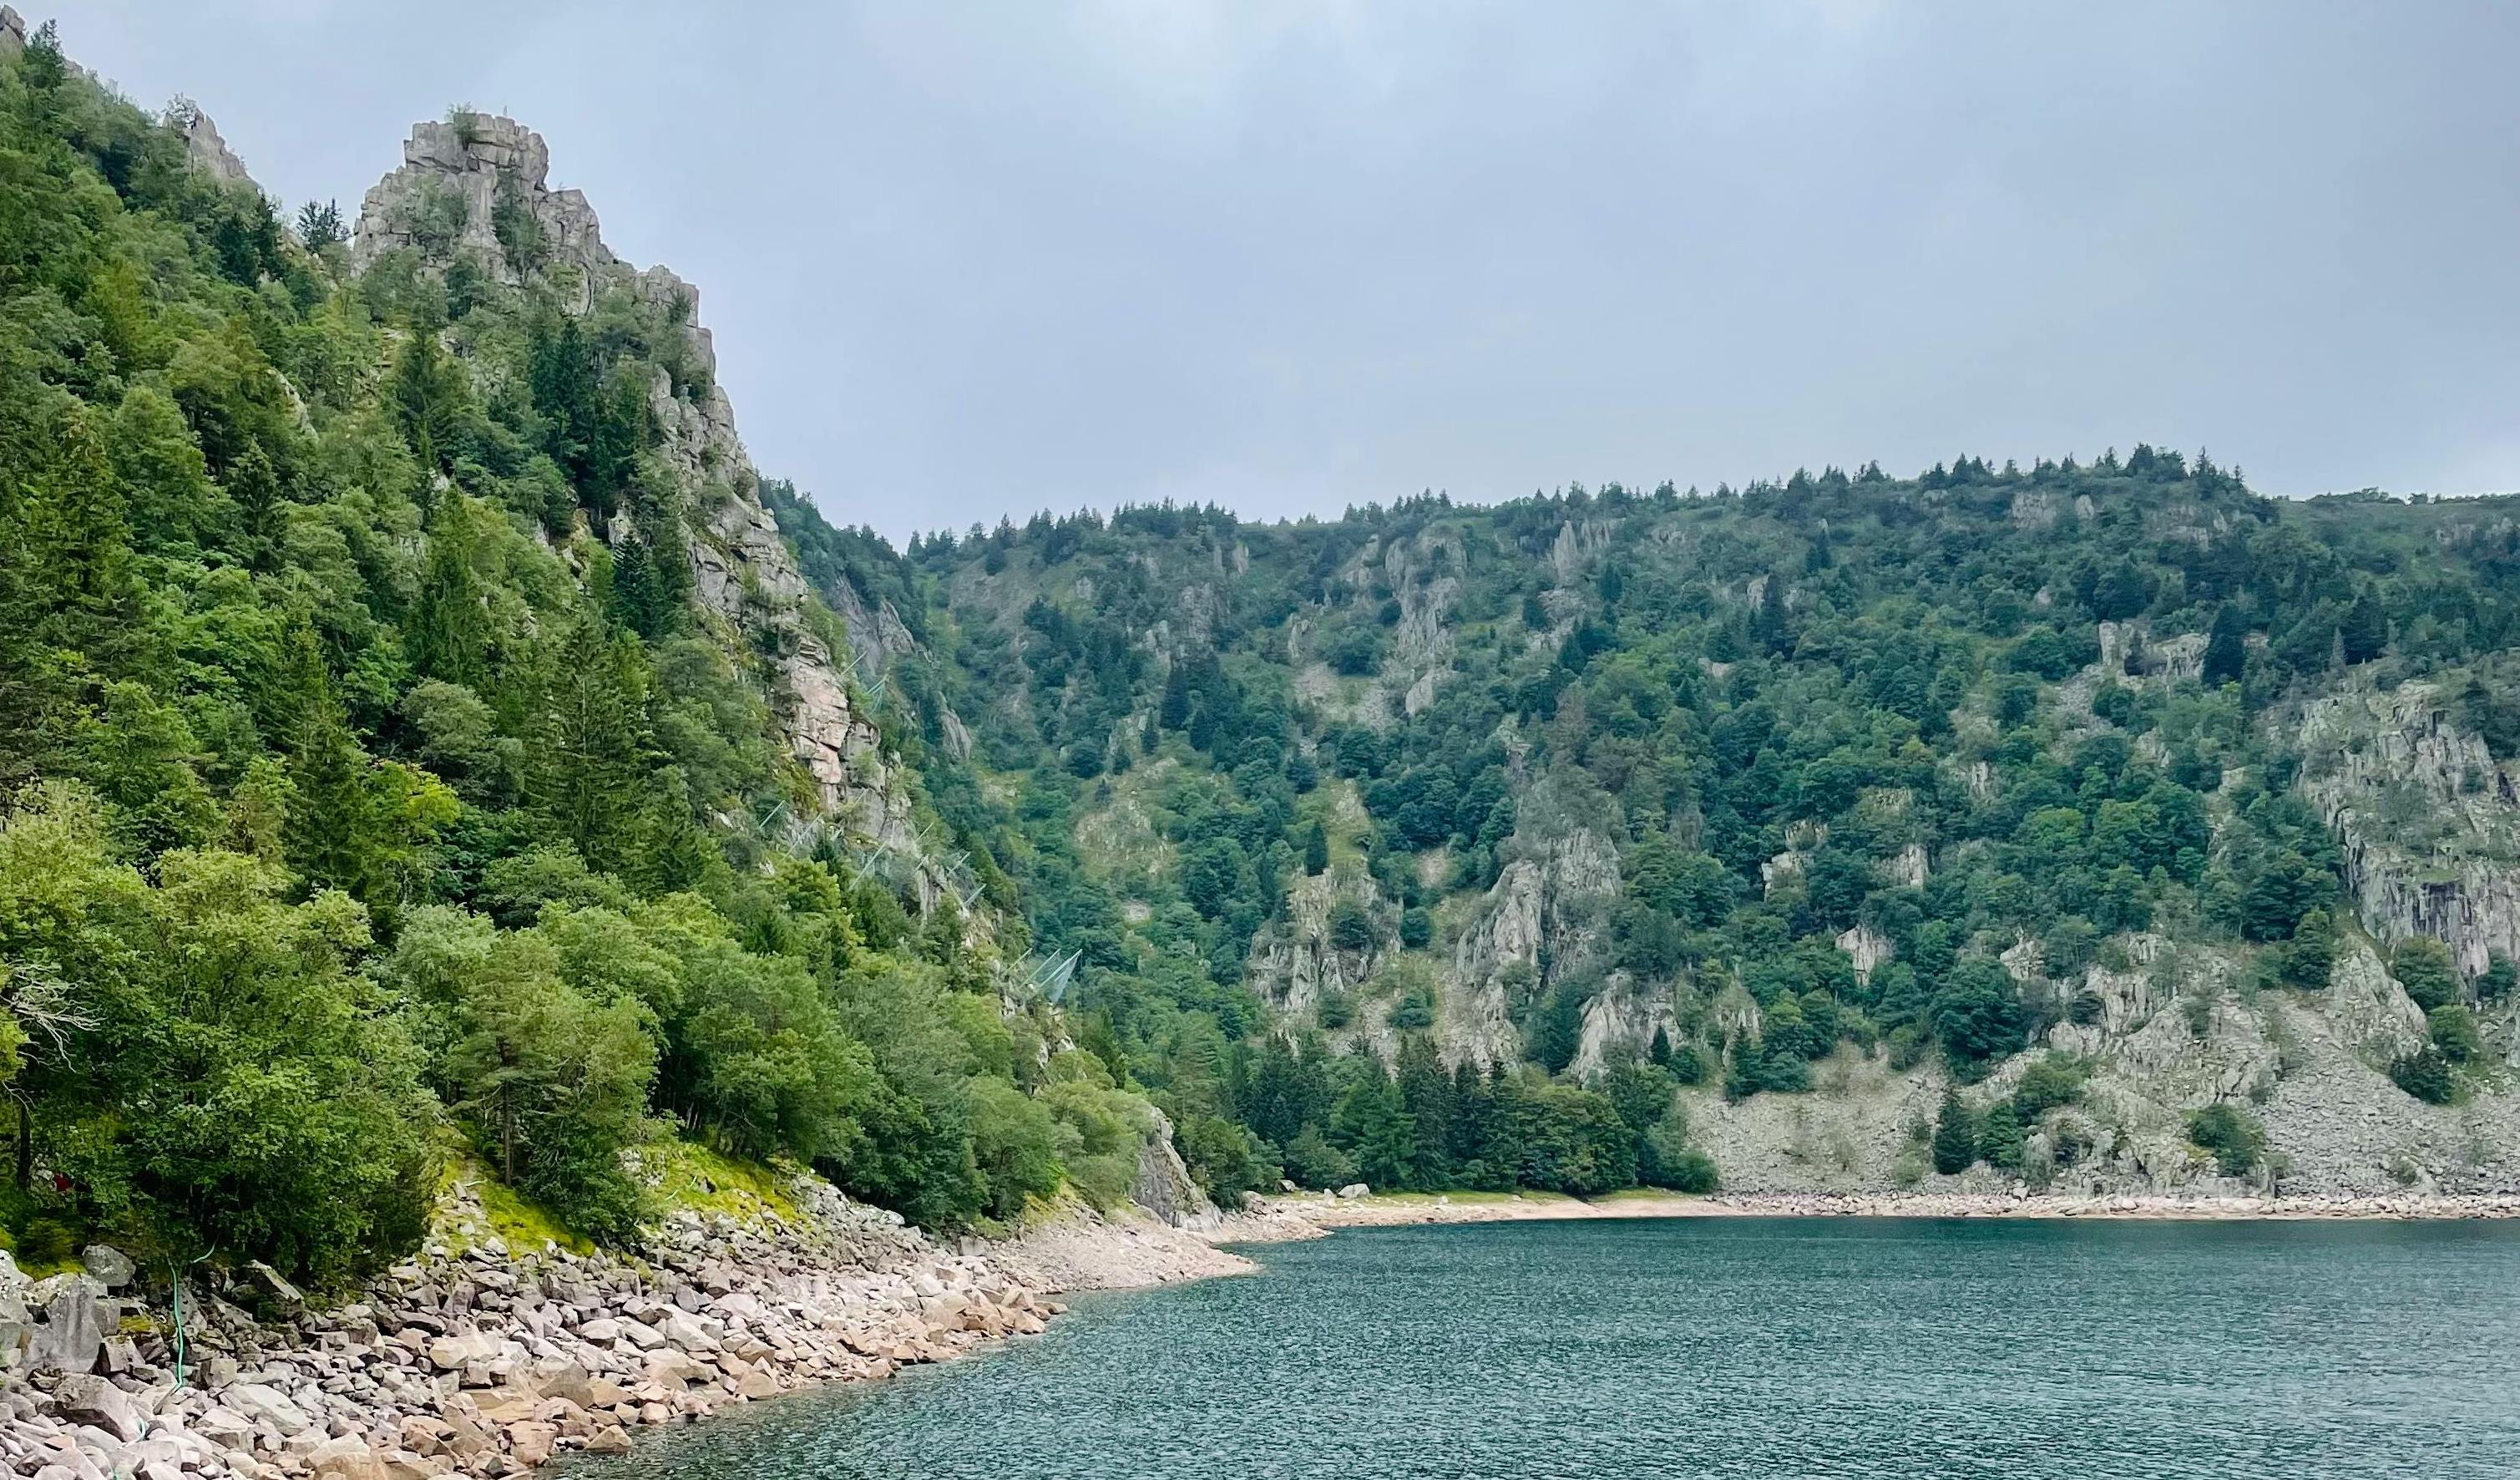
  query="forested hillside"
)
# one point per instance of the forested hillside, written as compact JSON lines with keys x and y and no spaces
{"x":413,"y":746}
{"x":1439,"y":844}
{"x":427,"y":742}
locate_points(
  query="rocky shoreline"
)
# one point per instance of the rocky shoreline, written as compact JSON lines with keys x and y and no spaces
{"x":479,"y":1358}
{"x":1324,"y":1212}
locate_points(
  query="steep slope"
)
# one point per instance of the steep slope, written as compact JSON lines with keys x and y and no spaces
{"x":1820,"y":797}
{"x":417,"y":742}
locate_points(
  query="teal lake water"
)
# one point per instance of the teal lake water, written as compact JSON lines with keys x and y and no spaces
{"x":1721,"y":1348}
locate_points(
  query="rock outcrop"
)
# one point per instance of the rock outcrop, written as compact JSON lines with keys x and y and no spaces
{"x":1541,"y":915}
{"x":479,"y":186}
{"x":2426,"y":818}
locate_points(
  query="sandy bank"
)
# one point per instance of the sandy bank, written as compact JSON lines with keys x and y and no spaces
{"x":1472,"y":1208}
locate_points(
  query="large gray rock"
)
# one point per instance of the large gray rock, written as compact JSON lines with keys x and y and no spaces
{"x":273,"y":1289}
{"x":83,"y":1398}
{"x":72,"y":1333}
{"x":110,"y":1266}
{"x":258,"y":1400}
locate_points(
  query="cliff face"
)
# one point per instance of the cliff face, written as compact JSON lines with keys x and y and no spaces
{"x":2428,"y":820}
{"x":479,"y":186}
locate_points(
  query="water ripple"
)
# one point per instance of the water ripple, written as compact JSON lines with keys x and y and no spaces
{"x":1721,"y":1350}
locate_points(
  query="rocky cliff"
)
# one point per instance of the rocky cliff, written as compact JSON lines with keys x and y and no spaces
{"x":2428,"y":820}
{"x":479,"y":186}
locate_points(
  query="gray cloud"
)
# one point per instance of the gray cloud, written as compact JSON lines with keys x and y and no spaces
{"x":966,"y":261}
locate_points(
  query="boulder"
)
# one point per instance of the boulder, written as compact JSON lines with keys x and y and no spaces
{"x":262,"y":1402}
{"x":274,"y":1291}
{"x":612,"y":1439}
{"x":72,"y":1333}
{"x":403,"y":1465}
{"x":110,"y":1266}
{"x":531,"y":1443}
{"x":1354,"y":1190}
{"x":602,"y":1330}
{"x":346,"y":1457}
{"x":83,"y":1398}
{"x":557,"y":1377}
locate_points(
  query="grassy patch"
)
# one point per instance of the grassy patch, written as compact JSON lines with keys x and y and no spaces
{"x":687,"y":1174}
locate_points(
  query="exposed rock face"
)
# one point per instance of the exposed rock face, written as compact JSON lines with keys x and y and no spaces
{"x":204,"y":150}
{"x":1620,"y":1022}
{"x":1868,"y":948}
{"x":1164,"y":1187}
{"x":1293,"y":965}
{"x":479,"y":185}
{"x":1543,"y":904}
{"x":455,"y":177}
{"x":2424,"y":816}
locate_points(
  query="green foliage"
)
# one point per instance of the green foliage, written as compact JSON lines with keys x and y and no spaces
{"x":1999,"y":1134}
{"x":2423,"y":967}
{"x":200,"y":1054}
{"x":2495,"y":982}
{"x":2051,"y":1080}
{"x":2454,"y":1032}
{"x":411,"y":788}
{"x":1955,"y":1136}
{"x":2230,"y":1135}
{"x":2426,"y":1075}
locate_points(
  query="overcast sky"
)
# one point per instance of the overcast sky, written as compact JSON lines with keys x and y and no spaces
{"x":967,"y":259}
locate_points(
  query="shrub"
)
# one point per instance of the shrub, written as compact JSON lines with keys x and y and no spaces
{"x":1350,"y":927}
{"x":2495,"y":982}
{"x":1695,"y":1173}
{"x":43,"y":1242}
{"x":2422,"y":966}
{"x":1414,"y":1010}
{"x":2054,"y":1080}
{"x":2233,"y":1135}
{"x":1313,"y":1162}
{"x":2454,"y":1033}
{"x":2426,"y":1075}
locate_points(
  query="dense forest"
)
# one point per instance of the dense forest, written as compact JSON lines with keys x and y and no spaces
{"x":378,"y":793}
{"x":2075,"y":687}
{"x":375,"y":791}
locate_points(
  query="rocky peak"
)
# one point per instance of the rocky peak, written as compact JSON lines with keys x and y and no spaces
{"x":481,"y":183}
{"x":478,"y":185}
{"x":203,"y":147}
{"x":13,"y":31}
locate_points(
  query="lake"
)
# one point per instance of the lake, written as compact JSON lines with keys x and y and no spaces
{"x":1721,"y":1348}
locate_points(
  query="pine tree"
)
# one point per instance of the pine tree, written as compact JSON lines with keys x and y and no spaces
{"x":2227,"y":648}
{"x":427,"y":391}
{"x":329,"y":821}
{"x":1375,"y":1127}
{"x":450,"y":630}
{"x":320,"y":225}
{"x":1772,"y":628}
{"x":1954,"y":1136}
{"x":2364,"y":634}
{"x":1999,"y":1137}
{"x":1427,"y":1095}
{"x":589,"y":742}
{"x":1317,"y":848}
